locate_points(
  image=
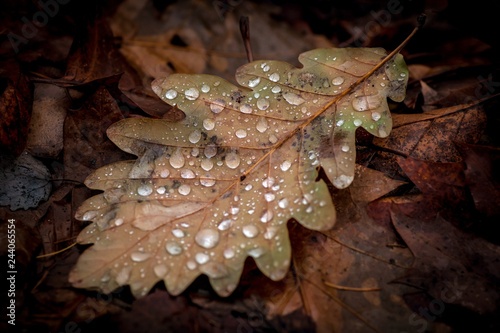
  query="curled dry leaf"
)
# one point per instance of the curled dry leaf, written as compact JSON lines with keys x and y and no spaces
{"x":221,"y":184}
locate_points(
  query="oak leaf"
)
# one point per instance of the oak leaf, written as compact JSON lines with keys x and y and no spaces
{"x":220,"y":185}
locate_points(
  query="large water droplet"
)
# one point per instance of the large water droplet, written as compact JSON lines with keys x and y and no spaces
{"x":340,"y":123}
{"x":195,"y":136}
{"x":187,"y":174}
{"x":205,"y":88}
{"x":376,"y":116}
{"x":269,"y":197}
{"x":207,"y":238}
{"x":357,"y":122}
{"x":276,"y":89}
{"x":173,"y":248}
{"x":245,"y":108}
{"x":273,"y":138}
{"x":285,"y":165}
{"x":140,"y":256}
{"x":207,"y":164}
{"x":262,"y":125}
{"x":177,"y":159}
{"x":207,"y":182}
{"x":283,"y":203}
{"x":201,"y":258}
{"x":160,"y":270}
{"x":192,"y":94}
{"x":123,"y":275}
{"x":275,"y":77}
{"x":262,"y":104}
{"x":232,"y":160}
{"x":191,"y":265}
{"x":210,"y":151}
{"x":345,"y":148}
{"x":184,"y":189}
{"x":338,"y":81}
{"x":171,"y":94}
{"x":268,"y":182}
{"x":342,"y":181}
{"x":257,"y":252}
{"x":224,"y":225}
{"x":267,"y":216}
{"x":228,"y":253}
{"x":293,"y":98}
{"x":218,"y":105}
{"x":254,"y":82}
{"x":250,"y":231}
{"x":208,"y":124}
{"x":241,"y":133}
{"x":360,"y":103}
{"x":178,"y":233}
{"x":145,"y":190}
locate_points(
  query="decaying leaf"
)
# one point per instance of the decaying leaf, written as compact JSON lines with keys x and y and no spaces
{"x":221,"y":184}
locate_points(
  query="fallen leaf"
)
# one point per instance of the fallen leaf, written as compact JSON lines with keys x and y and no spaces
{"x":25,"y":182}
{"x":220,"y":185}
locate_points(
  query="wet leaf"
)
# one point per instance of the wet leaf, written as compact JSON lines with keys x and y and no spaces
{"x":220,"y":185}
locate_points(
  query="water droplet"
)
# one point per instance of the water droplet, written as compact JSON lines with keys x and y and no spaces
{"x":285,"y":165}
{"x":266,"y":68}
{"x":119,"y":222}
{"x":253,"y":83}
{"x":187,"y":174}
{"x":171,"y":94}
{"x":191,"y":265}
{"x":262,"y":104}
{"x":382,"y":132}
{"x":357,"y":122}
{"x":145,"y":190}
{"x":248,"y":187}
{"x":267,"y":216}
{"x":205,"y":88}
{"x":382,"y":84}
{"x":164,"y":173}
{"x":309,"y":209}
{"x":245,"y":108}
{"x":232,"y":160}
{"x":241,"y":133}
{"x":224,"y":225}
{"x":250,"y":231}
{"x":262,"y":125}
{"x":322,"y":203}
{"x":201,"y":258}
{"x":218,"y":105}
{"x":257,"y":252}
{"x":275,"y":77}
{"x":208,"y":124}
{"x":276,"y":89}
{"x":283,"y":203}
{"x":228,"y":253}
{"x":340,"y":123}
{"x":207,"y":164}
{"x":173,"y":248}
{"x":160,"y":270}
{"x":338,"y":81}
{"x":123,"y":276}
{"x":178,"y":233}
{"x":192,"y":94}
{"x":345,"y":148}
{"x":360,"y":103}
{"x":89,"y":215}
{"x":270,"y":232}
{"x":273,"y":138}
{"x":342,"y":181}
{"x":161,"y":190}
{"x":269,"y":197}
{"x":195,"y":136}
{"x":376,"y":116}
{"x":207,"y":238}
{"x":177,"y":159}
{"x":268,"y":182}
{"x":140,"y":256}
{"x":210,"y":151}
{"x":207,"y":182}
{"x":293,"y":98}
{"x":184,"y":189}
{"x":402,"y":74}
